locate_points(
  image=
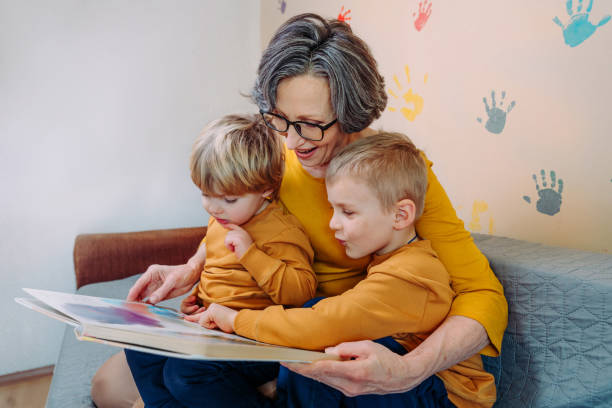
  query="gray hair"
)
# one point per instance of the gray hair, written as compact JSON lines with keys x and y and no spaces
{"x":308,"y":44}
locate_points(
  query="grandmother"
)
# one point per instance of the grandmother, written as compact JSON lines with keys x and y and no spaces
{"x":318,"y":85}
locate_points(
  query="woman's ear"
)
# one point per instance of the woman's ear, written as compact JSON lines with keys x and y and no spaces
{"x":405,"y":213}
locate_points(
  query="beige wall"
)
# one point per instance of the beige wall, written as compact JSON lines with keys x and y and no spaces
{"x":560,"y":119}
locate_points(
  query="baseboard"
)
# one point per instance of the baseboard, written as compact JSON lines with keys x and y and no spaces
{"x":26,"y":375}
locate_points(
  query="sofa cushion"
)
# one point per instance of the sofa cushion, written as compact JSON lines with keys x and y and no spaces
{"x":557,"y":349}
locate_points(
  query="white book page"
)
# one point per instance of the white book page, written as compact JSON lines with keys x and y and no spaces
{"x":123,"y":315}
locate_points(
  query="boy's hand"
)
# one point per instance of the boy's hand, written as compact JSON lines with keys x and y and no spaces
{"x":237,"y":240}
{"x":216,"y":316}
{"x":190,"y":305}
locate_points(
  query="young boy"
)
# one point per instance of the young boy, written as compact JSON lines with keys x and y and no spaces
{"x":257,"y":255}
{"x":376,"y":187}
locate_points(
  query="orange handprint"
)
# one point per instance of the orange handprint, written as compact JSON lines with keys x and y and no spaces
{"x":343,"y":16}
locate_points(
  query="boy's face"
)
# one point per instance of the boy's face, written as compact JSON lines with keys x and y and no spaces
{"x":359,"y":220}
{"x":237,"y":209}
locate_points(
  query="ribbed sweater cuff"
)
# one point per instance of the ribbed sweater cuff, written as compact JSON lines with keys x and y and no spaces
{"x":257,"y":262}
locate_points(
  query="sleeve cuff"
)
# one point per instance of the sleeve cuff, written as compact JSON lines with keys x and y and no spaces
{"x":493,"y":316}
{"x":257,"y":262}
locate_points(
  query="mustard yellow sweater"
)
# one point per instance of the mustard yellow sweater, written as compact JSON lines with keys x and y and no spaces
{"x":406,"y":294}
{"x":275,"y":269}
{"x":405,"y":291}
{"x":479,"y":294}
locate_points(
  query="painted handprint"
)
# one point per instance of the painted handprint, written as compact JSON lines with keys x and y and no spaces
{"x":414,"y":100}
{"x":497,"y":115}
{"x":344,"y":15}
{"x":282,"y":6}
{"x":478,"y":209}
{"x":579,"y":27}
{"x":423,"y":16}
{"x":549,"y":201}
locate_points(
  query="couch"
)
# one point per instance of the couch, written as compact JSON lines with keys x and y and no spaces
{"x":556,"y":352}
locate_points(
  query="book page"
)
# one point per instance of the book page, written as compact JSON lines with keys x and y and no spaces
{"x":123,"y":315}
{"x":45,"y":309}
{"x":154,"y":329}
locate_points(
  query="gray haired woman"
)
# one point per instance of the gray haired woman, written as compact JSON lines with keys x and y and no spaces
{"x":318,"y":85}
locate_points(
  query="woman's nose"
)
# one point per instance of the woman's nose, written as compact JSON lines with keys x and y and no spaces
{"x":293,"y":139}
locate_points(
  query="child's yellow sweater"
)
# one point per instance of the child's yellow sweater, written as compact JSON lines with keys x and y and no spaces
{"x":479,"y":295}
{"x":275,"y":269}
{"x":406,"y":294}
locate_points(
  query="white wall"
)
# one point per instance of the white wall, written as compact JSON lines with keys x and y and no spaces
{"x":99,"y":105}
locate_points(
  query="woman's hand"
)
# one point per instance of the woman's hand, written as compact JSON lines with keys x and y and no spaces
{"x":374,"y":369}
{"x":161,"y":282}
{"x":215,"y":316}
{"x":237,"y":240}
{"x":190,"y":305}
{"x":377,"y":370}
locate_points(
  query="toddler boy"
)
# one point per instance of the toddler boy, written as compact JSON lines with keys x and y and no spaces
{"x":257,"y":255}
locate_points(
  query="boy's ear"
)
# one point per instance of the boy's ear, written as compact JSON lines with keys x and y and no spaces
{"x":405,"y":213}
{"x":268,"y":194}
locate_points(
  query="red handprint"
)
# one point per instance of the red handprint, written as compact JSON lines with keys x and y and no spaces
{"x":343,"y":16}
{"x":424,"y":13}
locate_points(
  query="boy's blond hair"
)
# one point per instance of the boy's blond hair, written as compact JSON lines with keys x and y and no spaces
{"x":389,"y":164}
{"x":235,"y":155}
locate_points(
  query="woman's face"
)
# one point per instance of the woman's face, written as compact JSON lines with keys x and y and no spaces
{"x":307,"y":98}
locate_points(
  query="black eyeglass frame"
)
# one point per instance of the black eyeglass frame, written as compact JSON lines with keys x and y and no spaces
{"x":297,"y":122}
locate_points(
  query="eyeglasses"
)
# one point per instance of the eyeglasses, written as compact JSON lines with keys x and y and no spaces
{"x":306,"y":130}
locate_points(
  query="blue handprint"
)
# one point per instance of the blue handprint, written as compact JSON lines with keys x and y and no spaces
{"x":497,"y":116}
{"x":549,"y":202}
{"x":579,"y":27}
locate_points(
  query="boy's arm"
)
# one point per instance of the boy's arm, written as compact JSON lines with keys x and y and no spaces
{"x":282,"y":267}
{"x":385,"y":303}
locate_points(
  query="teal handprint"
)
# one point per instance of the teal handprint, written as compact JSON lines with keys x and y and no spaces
{"x":497,"y":116}
{"x":579,"y":28}
{"x":549,"y":202}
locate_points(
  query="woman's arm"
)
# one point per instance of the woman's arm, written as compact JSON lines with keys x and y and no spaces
{"x":479,"y":294}
{"x":377,"y":370}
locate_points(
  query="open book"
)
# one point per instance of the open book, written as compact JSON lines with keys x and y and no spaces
{"x":154,"y":329}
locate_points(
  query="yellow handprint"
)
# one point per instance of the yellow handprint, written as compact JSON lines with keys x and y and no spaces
{"x":409,"y":97}
{"x":478,"y":208}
